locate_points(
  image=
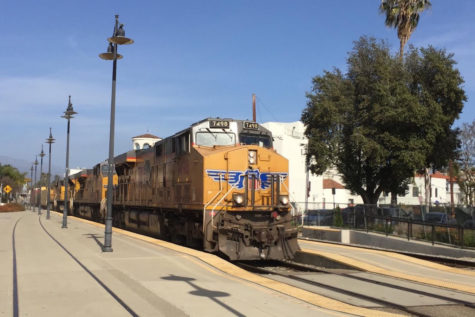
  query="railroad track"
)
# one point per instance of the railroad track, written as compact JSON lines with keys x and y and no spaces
{"x":293,"y":273}
{"x":454,"y":262}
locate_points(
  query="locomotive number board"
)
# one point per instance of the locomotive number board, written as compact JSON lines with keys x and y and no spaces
{"x":219,"y":124}
{"x":250,"y":125}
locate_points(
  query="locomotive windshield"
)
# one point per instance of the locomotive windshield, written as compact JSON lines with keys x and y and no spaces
{"x":212,"y":138}
{"x":255,"y":139}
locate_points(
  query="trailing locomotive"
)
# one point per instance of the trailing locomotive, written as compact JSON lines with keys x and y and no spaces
{"x":218,"y":185}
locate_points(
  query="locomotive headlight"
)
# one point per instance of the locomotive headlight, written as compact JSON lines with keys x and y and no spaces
{"x":284,"y":199}
{"x":238,"y":199}
{"x":252,"y":156}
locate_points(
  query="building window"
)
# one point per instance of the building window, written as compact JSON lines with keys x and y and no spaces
{"x":137,"y":146}
{"x":146,"y":146}
{"x":435,"y":192}
{"x":415,"y":191}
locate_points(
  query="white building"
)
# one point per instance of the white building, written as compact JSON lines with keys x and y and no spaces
{"x":439,"y":193}
{"x":325,"y":191}
{"x":328,"y":190}
{"x":144,"y":141}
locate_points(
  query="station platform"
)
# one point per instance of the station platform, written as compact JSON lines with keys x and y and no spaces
{"x":394,"y":265}
{"x":50,"y":271}
{"x":46,"y":270}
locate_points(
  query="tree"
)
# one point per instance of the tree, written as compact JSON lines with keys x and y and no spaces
{"x":438,"y":86}
{"x":9,"y":175}
{"x":466,"y":162}
{"x":404,"y":16}
{"x":379,"y":122}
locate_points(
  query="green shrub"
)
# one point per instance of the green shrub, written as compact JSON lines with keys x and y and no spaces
{"x":337,"y":217}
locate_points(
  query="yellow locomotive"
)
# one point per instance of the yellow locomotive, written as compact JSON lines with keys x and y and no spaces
{"x":218,"y":185}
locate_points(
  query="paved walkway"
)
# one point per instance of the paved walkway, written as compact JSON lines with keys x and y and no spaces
{"x":49,"y":271}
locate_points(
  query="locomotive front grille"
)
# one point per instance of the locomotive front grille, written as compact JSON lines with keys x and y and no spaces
{"x":268,"y":197}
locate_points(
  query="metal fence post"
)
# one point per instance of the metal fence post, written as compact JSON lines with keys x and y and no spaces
{"x":433,"y":234}
{"x":365,"y":223}
{"x":365,"y":219}
{"x":386,"y":229}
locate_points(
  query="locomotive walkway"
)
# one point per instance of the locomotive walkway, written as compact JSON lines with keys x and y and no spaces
{"x":50,"y":271}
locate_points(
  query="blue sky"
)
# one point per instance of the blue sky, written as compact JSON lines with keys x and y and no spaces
{"x":190,"y":60}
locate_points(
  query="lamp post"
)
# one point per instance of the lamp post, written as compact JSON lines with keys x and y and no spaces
{"x":36,"y":164}
{"x":42,"y":154}
{"x":68,"y":114}
{"x":118,"y":38}
{"x":32,"y":204}
{"x":50,"y":141}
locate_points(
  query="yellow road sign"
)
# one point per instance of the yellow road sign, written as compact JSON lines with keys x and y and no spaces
{"x":7,"y":189}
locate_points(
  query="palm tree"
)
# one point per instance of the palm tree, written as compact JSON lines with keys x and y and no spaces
{"x":403,"y":15}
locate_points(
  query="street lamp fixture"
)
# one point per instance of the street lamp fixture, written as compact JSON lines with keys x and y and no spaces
{"x":36,"y":164}
{"x":118,"y":38}
{"x":50,"y":141}
{"x":68,"y":114}
{"x":32,"y":204}
{"x":42,"y":154}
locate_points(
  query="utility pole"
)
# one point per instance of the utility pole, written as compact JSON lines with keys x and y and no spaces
{"x":254,"y":107}
{"x":36,"y":196}
{"x":50,"y":141}
{"x":307,"y":181}
{"x":42,"y":154}
{"x":307,"y":191}
{"x":333,"y":193}
{"x":451,"y":175}
{"x":118,"y":38}
{"x":32,"y":208}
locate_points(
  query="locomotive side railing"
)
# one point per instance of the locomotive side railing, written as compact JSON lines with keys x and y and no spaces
{"x":211,"y":200}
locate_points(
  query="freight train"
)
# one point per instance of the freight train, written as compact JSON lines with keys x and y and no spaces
{"x":216,"y":185}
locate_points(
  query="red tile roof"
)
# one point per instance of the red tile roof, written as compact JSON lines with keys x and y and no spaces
{"x":146,"y":135}
{"x":330,"y":183}
{"x":438,"y":174}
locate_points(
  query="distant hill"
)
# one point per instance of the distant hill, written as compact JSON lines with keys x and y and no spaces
{"x":25,"y":166}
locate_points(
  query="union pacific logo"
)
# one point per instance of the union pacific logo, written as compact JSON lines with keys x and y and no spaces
{"x":236,"y":178}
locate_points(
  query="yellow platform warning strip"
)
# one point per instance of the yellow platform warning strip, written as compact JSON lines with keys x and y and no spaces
{"x":401,"y":257}
{"x":376,"y":269}
{"x":231,"y":269}
{"x":321,"y":228}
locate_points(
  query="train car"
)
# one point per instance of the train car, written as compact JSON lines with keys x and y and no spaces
{"x":90,"y":192}
{"x":58,"y":195}
{"x":35,"y":196}
{"x":218,"y":185}
{"x":44,"y":196}
{"x":58,"y":192}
